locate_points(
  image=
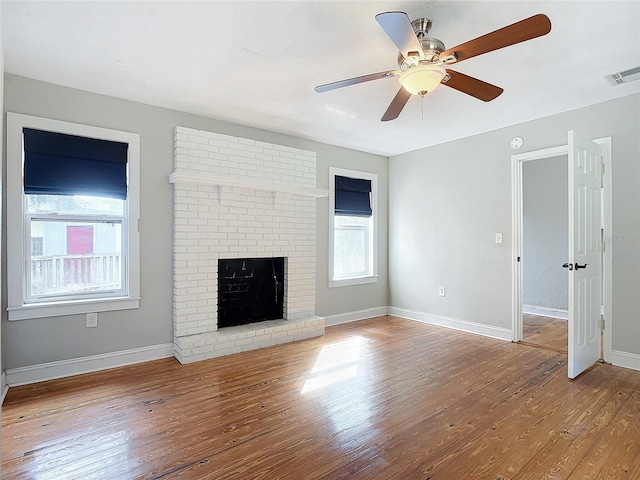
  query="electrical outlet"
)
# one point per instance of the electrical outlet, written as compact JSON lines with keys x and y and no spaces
{"x":92,"y":320}
{"x":441,"y":291}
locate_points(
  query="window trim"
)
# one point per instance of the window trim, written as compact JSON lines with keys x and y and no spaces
{"x":364,"y":279}
{"x":16,"y":225}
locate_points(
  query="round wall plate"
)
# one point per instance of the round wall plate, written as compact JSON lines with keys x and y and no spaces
{"x":516,"y":142}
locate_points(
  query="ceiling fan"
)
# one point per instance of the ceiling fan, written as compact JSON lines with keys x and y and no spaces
{"x":422,"y":59}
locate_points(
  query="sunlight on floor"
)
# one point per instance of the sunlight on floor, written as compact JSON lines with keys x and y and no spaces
{"x":52,"y":462}
{"x":336,"y":363}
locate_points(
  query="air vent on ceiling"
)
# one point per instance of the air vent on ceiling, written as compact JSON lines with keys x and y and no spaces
{"x":625,"y":77}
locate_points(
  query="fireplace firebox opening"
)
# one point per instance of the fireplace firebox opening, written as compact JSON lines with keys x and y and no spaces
{"x":250,"y":290}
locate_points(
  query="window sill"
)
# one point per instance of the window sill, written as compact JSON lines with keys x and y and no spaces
{"x":57,"y":309}
{"x":345,"y":282}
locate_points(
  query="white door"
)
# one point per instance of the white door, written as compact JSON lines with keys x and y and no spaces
{"x":585,"y":173}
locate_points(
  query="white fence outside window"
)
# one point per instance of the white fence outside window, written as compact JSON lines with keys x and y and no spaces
{"x":59,"y":274}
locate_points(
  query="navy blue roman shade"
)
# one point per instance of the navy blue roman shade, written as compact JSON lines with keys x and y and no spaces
{"x":60,"y":164}
{"x":353,"y":197}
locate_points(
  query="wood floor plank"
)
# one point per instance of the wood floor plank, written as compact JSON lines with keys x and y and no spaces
{"x":604,"y":461}
{"x":453,"y":432}
{"x":546,"y":332}
{"x":571,"y":438}
{"x":516,"y":441}
{"x":382,"y":398}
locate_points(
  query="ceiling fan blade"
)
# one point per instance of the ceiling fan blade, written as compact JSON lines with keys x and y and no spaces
{"x":526,"y":29}
{"x":472,"y":86}
{"x":355,"y":80}
{"x":397,"y":104}
{"x":398,"y":26}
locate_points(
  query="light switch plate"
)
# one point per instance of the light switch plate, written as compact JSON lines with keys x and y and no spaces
{"x":498,"y":237}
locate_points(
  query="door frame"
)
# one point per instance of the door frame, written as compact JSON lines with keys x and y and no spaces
{"x":517,"y":161}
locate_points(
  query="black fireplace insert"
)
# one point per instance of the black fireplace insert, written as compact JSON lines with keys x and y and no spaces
{"x":250,"y":290}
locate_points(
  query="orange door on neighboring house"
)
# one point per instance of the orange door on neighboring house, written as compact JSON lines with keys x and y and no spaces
{"x":79,"y":243}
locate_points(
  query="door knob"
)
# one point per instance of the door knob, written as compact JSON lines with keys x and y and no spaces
{"x":568,"y":265}
{"x":578,"y":266}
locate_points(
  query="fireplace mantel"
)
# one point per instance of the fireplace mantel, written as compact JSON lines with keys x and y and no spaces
{"x":185,"y":177}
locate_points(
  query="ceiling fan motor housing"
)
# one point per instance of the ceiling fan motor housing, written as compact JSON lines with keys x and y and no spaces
{"x":431,"y":47}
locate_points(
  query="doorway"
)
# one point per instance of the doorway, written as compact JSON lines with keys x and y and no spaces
{"x":578,"y":151}
{"x":545,"y":243}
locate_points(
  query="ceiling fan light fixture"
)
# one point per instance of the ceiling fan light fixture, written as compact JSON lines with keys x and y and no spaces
{"x":422,"y":79}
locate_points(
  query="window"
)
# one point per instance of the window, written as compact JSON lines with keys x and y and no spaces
{"x":352,"y":227}
{"x":80,"y":252}
{"x":72,"y":221}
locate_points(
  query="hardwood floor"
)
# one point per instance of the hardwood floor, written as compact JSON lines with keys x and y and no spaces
{"x":384,"y":398}
{"x":546,"y":332}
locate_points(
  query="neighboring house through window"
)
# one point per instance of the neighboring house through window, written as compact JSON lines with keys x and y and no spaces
{"x":352,"y":227}
{"x":72,"y":226}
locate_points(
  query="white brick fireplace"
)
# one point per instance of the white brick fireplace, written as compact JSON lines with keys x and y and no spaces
{"x":239,"y":198}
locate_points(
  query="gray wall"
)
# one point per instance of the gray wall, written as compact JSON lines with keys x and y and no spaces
{"x":545,"y":243}
{"x":447,"y":201}
{"x":31,"y":342}
{"x":2,"y":262}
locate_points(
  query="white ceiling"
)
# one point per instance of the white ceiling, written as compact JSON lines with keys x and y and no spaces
{"x":256,"y":63}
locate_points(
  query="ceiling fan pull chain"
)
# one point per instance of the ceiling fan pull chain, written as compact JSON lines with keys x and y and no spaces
{"x":422,"y":106}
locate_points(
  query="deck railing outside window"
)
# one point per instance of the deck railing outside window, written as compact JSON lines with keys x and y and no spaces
{"x":51,"y":275}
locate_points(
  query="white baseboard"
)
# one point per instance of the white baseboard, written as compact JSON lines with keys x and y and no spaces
{"x":4,"y":388}
{"x":93,"y":363}
{"x":454,"y":323}
{"x":355,"y":315}
{"x":545,"y":311}
{"x":625,"y":359}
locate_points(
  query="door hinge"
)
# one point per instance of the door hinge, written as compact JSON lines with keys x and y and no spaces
{"x":602,"y":168}
{"x":603,"y":245}
{"x":602,"y":324}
